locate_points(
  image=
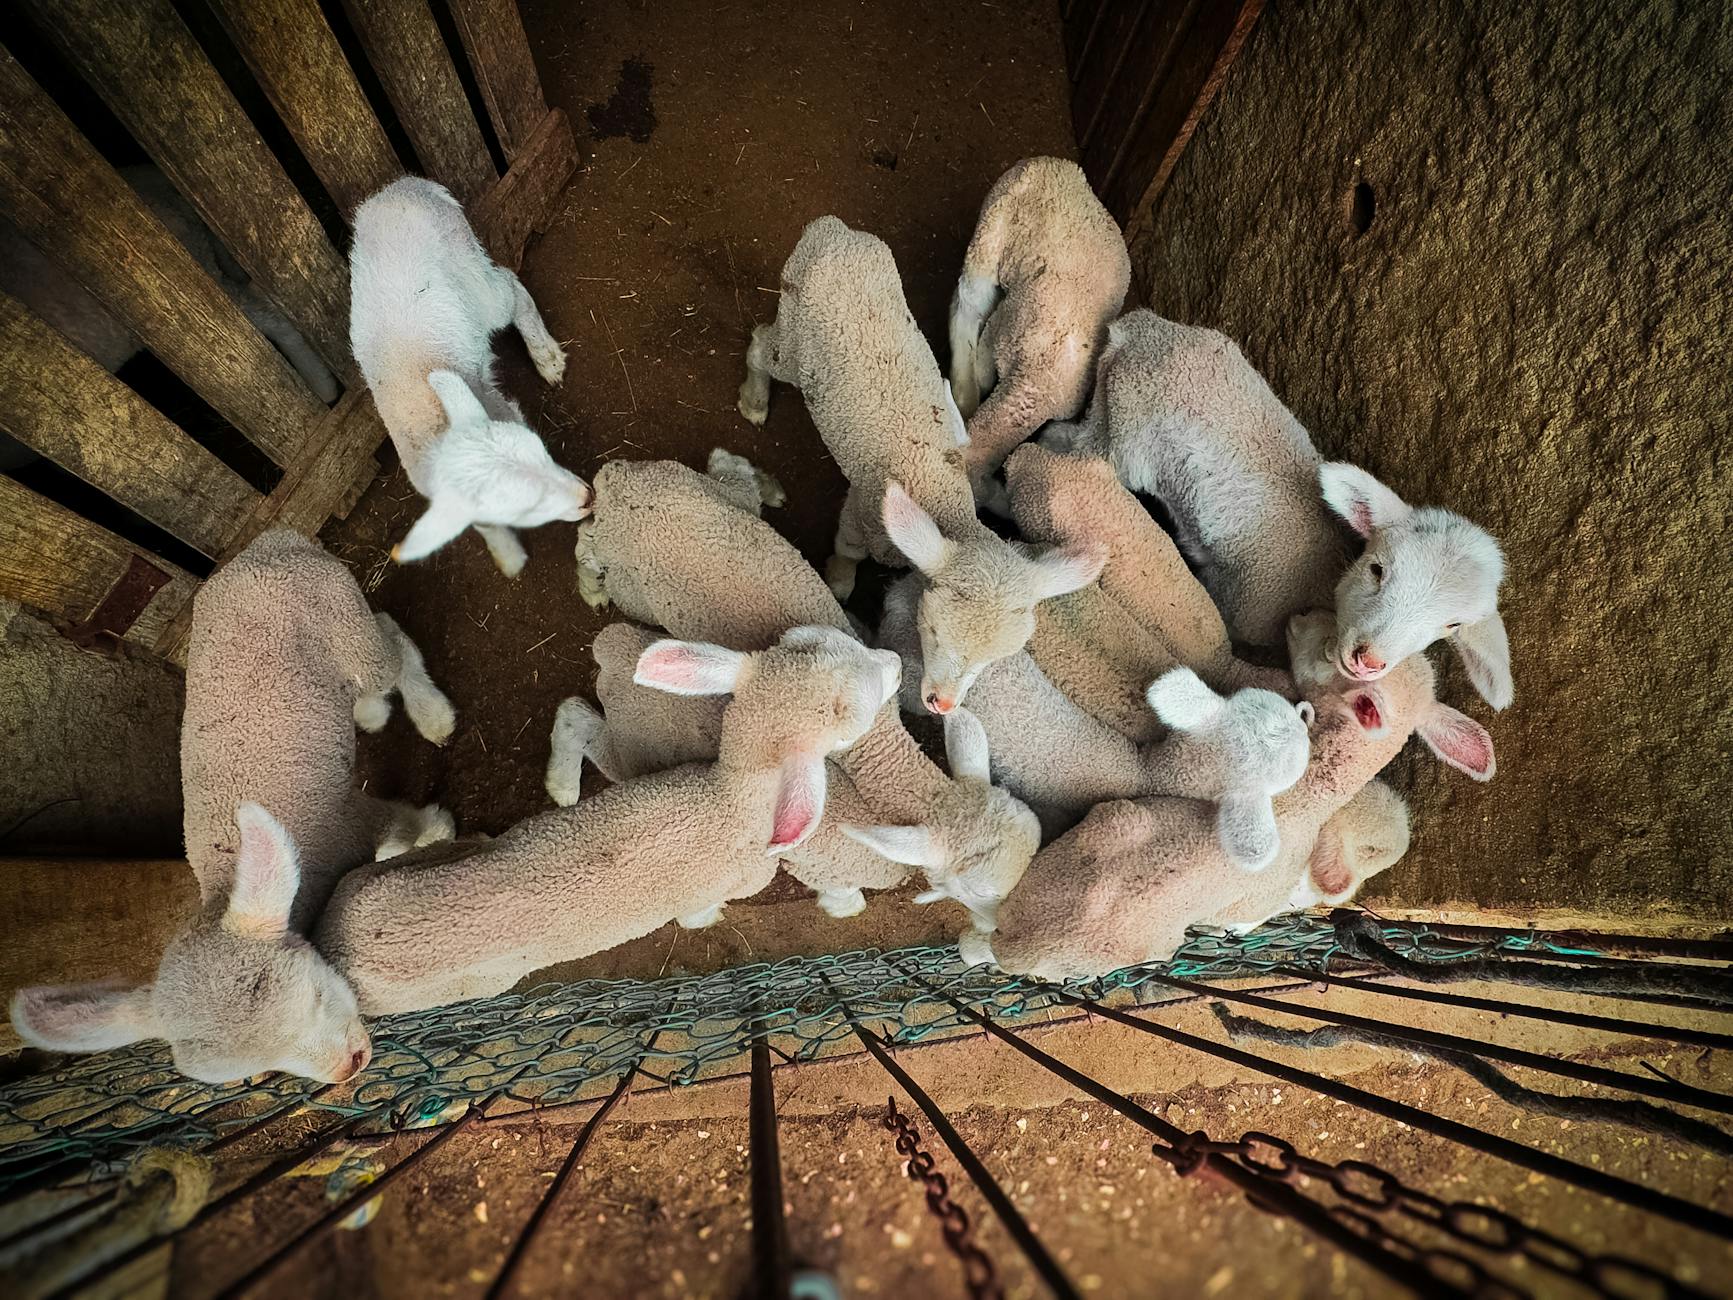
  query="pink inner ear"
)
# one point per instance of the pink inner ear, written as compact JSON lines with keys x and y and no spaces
{"x":797,"y":808}
{"x":671,"y":665}
{"x":1362,"y":517}
{"x":1460,"y":741}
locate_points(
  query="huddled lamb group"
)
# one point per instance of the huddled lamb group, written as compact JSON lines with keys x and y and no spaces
{"x":1091,"y":693}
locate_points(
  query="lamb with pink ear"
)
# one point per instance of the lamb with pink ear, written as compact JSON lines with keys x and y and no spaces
{"x":471,"y":919}
{"x":424,"y":301}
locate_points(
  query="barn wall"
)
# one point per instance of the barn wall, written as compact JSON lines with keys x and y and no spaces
{"x":1533,"y":329}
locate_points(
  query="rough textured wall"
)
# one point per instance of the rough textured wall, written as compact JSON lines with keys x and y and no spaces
{"x":1524,"y":315}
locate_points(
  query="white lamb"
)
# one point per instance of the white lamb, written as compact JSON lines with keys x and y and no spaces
{"x":843,"y":335}
{"x":1123,"y":885}
{"x":284,"y":659}
{"x":471,"y":919}
{"x":687,"y":552}
{"x":1045,"y":273}
{"x":1183,"y":415}
{"x":424,"y":300}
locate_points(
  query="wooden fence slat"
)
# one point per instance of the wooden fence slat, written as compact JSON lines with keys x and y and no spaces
{"x":522,"y":203}
{"x":403,"y":44}
{"x":301,"y":68}
{"x":59,"y":402}
{"x":146,"y":65}
{"x":76,"y":208}
{"x":1079,"y":23}
{"x":64,"y":565}
{"x":1150,"y":52}
{"x":499,"y":55}
{"x":1100,"y":72}
{"x":1200,"y":64}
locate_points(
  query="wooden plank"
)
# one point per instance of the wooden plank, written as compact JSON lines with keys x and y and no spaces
{"x":1099,"y":73}
{"x":522,"y":203}
{"x":409,"y":57}
{"x":1079,"y":25}
{"x":1199,"y":68}
{"x":62,"y":564}
{"x":1151,"y":50}
{"x":57,"y":401}
{"x":146,"y":65}
{"x":499,"y":55}
{"x":302,"y":70}
{"x":79,"y":212}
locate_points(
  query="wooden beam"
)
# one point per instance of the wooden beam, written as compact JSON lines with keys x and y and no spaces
{"x":1079,"y":23}
{"x":66,"y":566}
{"x":1151,"y":49}
{"x":1200,"y":66}
{"x":499,"y":55}
{"x":149,"y":69}
{"x":302,"y":70}
{"x":522,"y":203}
{"x":409,"y":57}
{"x":1098,"y":75}
{"x":57,"y":401}
{"x":79,"y":212}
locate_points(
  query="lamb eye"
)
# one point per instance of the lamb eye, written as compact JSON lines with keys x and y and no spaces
{"x":1451,"y":627}
{"x":1377,"y":573}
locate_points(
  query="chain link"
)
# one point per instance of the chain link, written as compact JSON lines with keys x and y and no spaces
{"x":979,"y":1275}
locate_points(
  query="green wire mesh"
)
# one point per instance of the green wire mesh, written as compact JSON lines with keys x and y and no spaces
{"x":561,"y":1043}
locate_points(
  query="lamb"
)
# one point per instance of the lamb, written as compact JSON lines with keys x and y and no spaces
{"x":471,"y":919}
{"x":742,"y":585}
{"x":1123,"y":885}
{"x":1045,"y":273}
{"x":1183,"y":415}
{"x":843,"y":335}
{"x":424,"y":299}
{"x":65,"y":304}
{"x":284,"y":660}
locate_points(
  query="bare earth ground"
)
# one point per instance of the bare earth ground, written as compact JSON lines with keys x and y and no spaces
{"x":666,"y":250}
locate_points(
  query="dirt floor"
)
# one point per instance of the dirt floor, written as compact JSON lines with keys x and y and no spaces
{"x":712,"y":134}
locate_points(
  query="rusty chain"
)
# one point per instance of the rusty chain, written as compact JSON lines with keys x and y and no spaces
{"x":1371,"y":1195}
{"x":979,"y":1275}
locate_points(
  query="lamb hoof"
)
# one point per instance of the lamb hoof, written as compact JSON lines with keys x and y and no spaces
{"x":550,"y":361}
{"x":975,"y":948}
{"x":576,"y":726}
{"x":437,"y":826}
{"x":770,"y":492}
{"x":839,"y":577}
{"x":842,"y":902}
{"x":753,"y":406}
{"x":372,"y":712}
{"x":702,"y":920}
{"x":432,"y":715}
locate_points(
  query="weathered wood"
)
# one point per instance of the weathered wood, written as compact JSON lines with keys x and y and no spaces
{"x":146,"y":65}
{"x":1152,"y":47}
{"x":1199,"y":67}
{"x":79,"y":212}
{"x":522,"y":203}
{"x":499,"y":55}
{"x":1105,"y":67}
{"x":408,"y":55}
{"x":59,"y":402}
{"x":301,"y":68}
{"x":1079,"y":24}
{"x":62,"y":564}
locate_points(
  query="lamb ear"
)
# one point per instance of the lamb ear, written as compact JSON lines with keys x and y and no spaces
{"x":912,"y":846}
{"x":1332,"y":877}
{"x":1359,"y":498}
{"x":83,"y":1017}
{"x":1183,"y":700}
{"x":913,"y":532}
{"x":462,"y":407}
{"x":1459,"y":740}
{"x":689,"y":668}
{"x":966,"y":747}
{"x":959,"y":426}
{"x":1485,"y":652}
{"x":799,"y":802}
{"x":1246,"y":825}
{"x":444,"y":519}
{"x":1066,"y":568}
{"x":267,"y":875}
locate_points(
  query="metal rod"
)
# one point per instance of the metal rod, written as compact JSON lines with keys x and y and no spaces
{"x":1581,"y":1019}
{"x":332,"y":1217}
{"x":770,"y":1254}
{"x":1682,"y":1094}
{"x":1651,"y":945}
{"x":1014,"y":1222}
{"x":1541,"y":1162}
{"x":1262,"y":1193}
{"x":65,"y":1214}
{"x":514,"y":1257}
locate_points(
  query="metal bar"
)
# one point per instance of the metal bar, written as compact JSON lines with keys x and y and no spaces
{"x":514,"y":1257}
{"x":1014,"y":1222}
{"x":1277,"y":1196}
{"x":1580,"y":1019}
{"x":65,"y":1214}
{"x":1682,"y":1094}
{"x":770,"y":1256}
{"x":332,"y":1217}
{"x":1651,"y":945}
{"x":1541,"y":1162}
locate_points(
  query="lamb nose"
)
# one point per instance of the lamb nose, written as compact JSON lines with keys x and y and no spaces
{"x":1366,"y":659}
